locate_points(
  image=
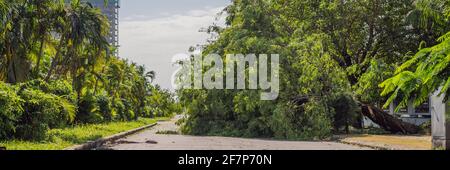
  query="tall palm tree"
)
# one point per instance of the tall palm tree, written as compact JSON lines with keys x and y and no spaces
{"x":47,"y":12}
{"x":140,"y":87}
{"x":83,"y":37}
{"x":3,"y":19}
{"x":17,"y":41}
{"x":29,"y":25}
{"x":3,"y":12}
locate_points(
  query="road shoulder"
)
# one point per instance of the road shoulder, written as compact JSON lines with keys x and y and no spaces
{"x":388,"y":142}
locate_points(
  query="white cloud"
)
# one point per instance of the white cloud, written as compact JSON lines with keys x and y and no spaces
{"x":154,"y":42}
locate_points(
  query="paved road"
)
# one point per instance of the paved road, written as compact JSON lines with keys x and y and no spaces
{"x":150,"y":140}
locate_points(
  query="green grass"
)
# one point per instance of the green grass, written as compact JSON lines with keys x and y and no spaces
{"x":59,"y":139}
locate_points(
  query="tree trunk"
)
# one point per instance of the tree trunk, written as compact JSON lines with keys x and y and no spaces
{"x":378,"y":116}
{"x":387,"y":121}
{"x":55,"y":59}
{"x":38,"y":62}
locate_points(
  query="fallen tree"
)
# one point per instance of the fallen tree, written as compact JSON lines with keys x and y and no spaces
{"x":387,"y":121}
{"x":380,"y":117}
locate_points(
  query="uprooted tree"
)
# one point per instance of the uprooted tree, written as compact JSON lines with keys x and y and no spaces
{"x":387,"y":121}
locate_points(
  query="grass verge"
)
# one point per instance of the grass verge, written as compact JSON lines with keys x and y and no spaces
{"x":59,"y":139}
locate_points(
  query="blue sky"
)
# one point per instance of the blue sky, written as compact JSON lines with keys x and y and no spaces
{"x":153,"y":31}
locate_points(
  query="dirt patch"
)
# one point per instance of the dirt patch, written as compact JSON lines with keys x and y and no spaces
{"x":390,"y":142}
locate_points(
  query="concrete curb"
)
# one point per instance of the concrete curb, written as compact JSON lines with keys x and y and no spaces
{"x":102,"y":141}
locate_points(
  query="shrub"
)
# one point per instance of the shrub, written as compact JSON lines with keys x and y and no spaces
{"x":29,"y":109}
{"x":61,"y":90}
{"x":41,"y":112}
{"x":105,"y":107}
{"x":127,"y":114}
{"x":308,"y":121}
{"x":89,"y":111}
{"x":10,"y":110}
{"x":118,"y":108}
{"x":317,"y":120}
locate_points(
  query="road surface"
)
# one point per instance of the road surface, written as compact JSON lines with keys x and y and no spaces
{"x":152,"y":140}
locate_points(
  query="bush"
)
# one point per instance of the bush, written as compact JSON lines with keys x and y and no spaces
{"x":317,"y":120}
{"x":105,"y":107}
{"x":305,"y":122}
{"x":89,"y":111}
{"x":127,"y":114}
{"x":58,"y":89}
{"x":10,"y":110}
{"x":28,"y":110}
{"x":41,"y":112}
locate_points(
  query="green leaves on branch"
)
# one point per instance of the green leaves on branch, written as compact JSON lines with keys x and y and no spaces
{"x":425,"y":73}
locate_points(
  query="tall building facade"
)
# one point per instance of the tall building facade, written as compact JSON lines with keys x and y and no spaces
{"x":111,"y":10}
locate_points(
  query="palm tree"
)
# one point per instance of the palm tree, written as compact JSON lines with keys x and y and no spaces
{"x":17,"y":41}
{"x":29,"y":25}
{"x":3,"y":12}
{"x":115,"y":75}
{"x":84,"y":37}
{"x":140,"y":87}
{"x":46,"y":11}
{"x":3,"y":20}
{"x":151,"y":75}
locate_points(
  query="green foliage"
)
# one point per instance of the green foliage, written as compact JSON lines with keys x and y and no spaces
{"x":40,"y":110}
{"x":105,"y":107}
{"x":60,"y":90}
{"x":331,"y":52}
{"x":11,"y":109}
{"x":162,"y":103}
{"x":30,"y":111}
{"x":45,"y":106}
{"x":89,"y":110}
{"x":367,"y":89}
{"x":431,"y":15}
{"x":425,"y":73}
{"x":305,"y":122}
{"x":308,"y":70}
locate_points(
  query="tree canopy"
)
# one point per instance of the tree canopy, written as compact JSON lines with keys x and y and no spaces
{"x":426,"y":72}
{"x":331,"y":52}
